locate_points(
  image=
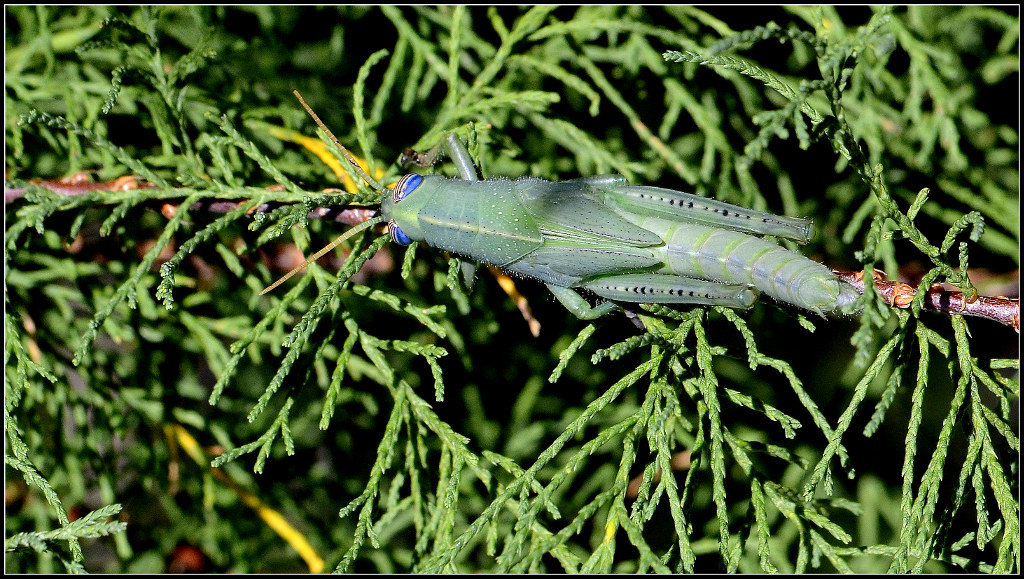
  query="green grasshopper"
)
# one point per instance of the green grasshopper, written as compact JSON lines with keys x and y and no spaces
{"x":622,"y":242}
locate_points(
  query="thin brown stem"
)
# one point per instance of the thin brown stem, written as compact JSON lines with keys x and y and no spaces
{"x":901,"y":295}
{"x":80,"y":184}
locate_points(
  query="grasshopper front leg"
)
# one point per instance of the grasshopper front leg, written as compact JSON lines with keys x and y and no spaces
{"x":455,"y":149}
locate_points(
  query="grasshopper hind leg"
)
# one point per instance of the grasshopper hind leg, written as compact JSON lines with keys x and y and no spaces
{"x":652,"y":288}
{"x":671,"y":289}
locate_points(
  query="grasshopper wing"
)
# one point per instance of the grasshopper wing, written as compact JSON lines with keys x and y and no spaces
{"x":642,"y":200}
{"x":570,"y":210}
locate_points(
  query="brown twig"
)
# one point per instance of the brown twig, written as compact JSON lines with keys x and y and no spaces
{"x":901,"y":295}
{"x":897,"y":294}
{"x":81,"y":183}
{"x":680,"y":462}
{"x":78,"y":184}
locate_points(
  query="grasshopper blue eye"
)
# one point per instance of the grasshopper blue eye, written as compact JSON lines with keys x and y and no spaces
{"x":405,"y":186}
{"x":397,"y":235}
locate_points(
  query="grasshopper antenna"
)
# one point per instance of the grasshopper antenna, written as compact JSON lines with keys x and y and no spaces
{"x":348,"y":156}
{"x":339,"y":240}
{"x":345,"y":236}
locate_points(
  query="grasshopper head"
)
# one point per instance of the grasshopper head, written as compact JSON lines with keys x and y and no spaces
{"x":401,"y":208}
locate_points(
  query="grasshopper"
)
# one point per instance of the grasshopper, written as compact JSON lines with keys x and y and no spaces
{"x":624,"y":243}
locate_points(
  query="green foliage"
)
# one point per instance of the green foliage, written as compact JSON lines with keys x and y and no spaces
{"x":713,"y":441}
